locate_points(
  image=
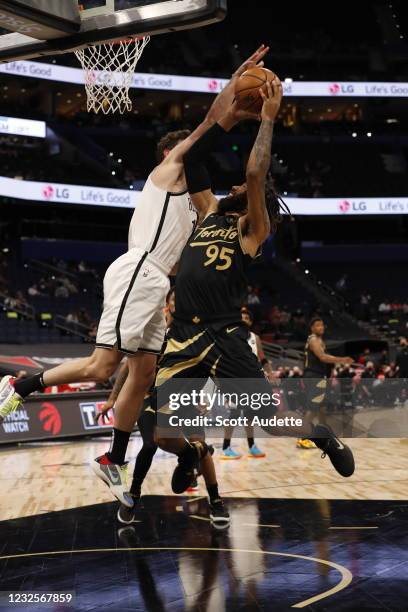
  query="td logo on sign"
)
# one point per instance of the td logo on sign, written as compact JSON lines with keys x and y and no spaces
{"x":90,"y":412}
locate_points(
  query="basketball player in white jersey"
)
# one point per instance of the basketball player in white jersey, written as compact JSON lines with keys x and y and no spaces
{"x":255,"y":343}
{"x":135,"y":288}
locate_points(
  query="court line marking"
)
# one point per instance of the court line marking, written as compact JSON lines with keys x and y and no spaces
{"x":259,"y":525}
{"x":353,"y":527}
{"x":194,"y":499}
{"x":346,"y":575}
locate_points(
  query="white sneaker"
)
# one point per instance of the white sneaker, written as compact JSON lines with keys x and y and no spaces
{"x":10,"y":400}
{"x":115,"y":476}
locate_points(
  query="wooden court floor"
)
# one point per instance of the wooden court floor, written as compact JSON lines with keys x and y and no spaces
{"x":36,"y":479}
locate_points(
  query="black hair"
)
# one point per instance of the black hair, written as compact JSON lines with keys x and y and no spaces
{"x":275,"y":206}
{"x":314,"y":320}
{"x":246,"y":311}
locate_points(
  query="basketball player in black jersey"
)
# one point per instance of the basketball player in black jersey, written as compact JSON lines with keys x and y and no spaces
{"x":147,"y":423}
{"x":317,"y":367}
{"x":207,"y":337}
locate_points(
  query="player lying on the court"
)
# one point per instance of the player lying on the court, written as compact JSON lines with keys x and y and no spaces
{"x":207,"y":337}
{"x":147,"y":423}
{"x":135,"y":287}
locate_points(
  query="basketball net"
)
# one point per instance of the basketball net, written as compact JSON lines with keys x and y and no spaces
{"x":108,"y":70}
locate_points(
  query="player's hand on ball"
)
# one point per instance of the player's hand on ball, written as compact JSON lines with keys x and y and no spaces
{"x":240,"y":114}
{"x":254,"y":60}
{"x":271,"y":99}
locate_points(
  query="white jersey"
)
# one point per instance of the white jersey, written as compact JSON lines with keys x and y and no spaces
{"x":162,"y":223}
{"x":252,"y":343}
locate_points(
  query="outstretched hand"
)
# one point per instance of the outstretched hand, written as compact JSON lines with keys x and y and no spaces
{"x":240,"y":114}
{"x":253,"y":60}
{"x":271,"y":99}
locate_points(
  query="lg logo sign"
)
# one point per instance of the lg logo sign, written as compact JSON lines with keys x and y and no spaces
{"x":336,"y":88}
{"x":213,"y":85}
{"x":49,"y":192}
{"x":345,"y":206}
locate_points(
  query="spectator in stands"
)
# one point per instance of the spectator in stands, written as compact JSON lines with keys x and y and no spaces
{"x":365,"y":305}
{"x":366,"y":356}
{"x":84,"y":318}
{"x":342,"y":284}
{"x":33,"y":290}
{"x":253,"y":297}
{"x":369,"y":370}
{"x":384,"y":307}
{"x":402,"y":358}
{"x":71,"y":287}
{"x":21,"y":300}
{"x":72,"y":317}
{"x":61,"y":291}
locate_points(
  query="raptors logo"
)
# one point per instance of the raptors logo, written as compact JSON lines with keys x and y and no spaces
{"x":50,"y":418}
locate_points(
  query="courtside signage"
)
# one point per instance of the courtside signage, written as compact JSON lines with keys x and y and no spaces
{"x":169,"y":82}
{"x":59,"y":193}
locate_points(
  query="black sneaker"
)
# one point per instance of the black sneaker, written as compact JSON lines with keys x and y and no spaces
{"x":186,"y":470}
{"x":339,"y":454}
{"x":219,"y":516}
{"x":126,"y":515}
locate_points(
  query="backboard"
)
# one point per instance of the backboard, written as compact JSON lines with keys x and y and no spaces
{"x":93,"y":21}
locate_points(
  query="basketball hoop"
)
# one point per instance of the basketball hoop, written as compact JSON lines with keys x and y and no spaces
{"x":108,"y":71}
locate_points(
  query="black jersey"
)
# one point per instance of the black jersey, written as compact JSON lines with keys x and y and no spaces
{"x":313,"y":365}
{"x":211,"y":282}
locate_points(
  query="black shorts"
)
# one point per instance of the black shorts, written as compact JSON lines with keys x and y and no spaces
{"x":195,"y":353}
{"x":315,"y":389}
{"x":147,"y":423}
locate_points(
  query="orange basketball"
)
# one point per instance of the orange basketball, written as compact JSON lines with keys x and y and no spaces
{"x":248,"y":85}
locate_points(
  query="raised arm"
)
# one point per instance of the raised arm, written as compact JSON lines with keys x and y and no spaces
{"x":220,"y":105}
{"x":196,"y":158}
{"x":255,"y":225}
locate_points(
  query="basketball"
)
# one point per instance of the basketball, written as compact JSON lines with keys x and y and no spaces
{"x":247,"y":88}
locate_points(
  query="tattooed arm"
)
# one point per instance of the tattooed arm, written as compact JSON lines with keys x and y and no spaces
{"x":255,"y":225}
{"x":119,"y":382}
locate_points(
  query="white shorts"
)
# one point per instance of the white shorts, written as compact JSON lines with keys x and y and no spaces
{"x":135,"y":292}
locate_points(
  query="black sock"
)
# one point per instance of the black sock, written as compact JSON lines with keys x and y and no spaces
{"x":120,"y":440}
{"x":251,"y":442}
{"x":226,"y":443}
{"x":213,"y":492}
{"x":142,"y":466}
{"x":28,"y":385}
{"x":136,"y":489}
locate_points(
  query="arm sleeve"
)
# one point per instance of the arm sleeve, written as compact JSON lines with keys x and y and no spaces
{"x":197,"y":176}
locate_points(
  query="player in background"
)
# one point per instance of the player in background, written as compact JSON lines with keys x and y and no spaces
{"x":135,"y":287}
{"x":255,"y":344}
{"x":316,"y":370}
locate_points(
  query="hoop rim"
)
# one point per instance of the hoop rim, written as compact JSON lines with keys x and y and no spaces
{"x":128,"y":40}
